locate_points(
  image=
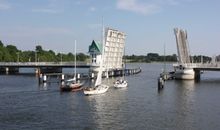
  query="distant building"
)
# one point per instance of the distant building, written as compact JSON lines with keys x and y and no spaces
{"x":113,"y":50}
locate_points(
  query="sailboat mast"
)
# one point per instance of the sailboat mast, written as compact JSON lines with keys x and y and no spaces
{"x":103,"y":39}
{"x":75,"y":60}
{"x":164,"y":59}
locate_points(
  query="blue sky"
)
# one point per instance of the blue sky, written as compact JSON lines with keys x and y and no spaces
{"x":55,"y":24}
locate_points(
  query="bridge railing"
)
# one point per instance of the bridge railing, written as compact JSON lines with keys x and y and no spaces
{"x":41,"y":63}
{"x":199,"y":65}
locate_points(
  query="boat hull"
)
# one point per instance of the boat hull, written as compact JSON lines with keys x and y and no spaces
{"x":97,"y":90}
{"x":119,"y":84}
{"x":71,"y":88}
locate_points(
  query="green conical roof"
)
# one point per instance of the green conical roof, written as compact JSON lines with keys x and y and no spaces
{"x":95,"y":47}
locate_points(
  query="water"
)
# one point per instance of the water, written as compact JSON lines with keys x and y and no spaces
{"x":181,"y":105}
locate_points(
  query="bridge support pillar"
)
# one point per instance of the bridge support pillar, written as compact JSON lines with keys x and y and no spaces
{"x":197,"y":75}
{"x":51,"y":70}
{"x":9,"y":70}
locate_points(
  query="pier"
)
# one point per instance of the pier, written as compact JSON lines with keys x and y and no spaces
{"x":44,"y":78}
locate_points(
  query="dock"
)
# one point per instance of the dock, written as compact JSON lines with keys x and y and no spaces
{"x":45,"y":78}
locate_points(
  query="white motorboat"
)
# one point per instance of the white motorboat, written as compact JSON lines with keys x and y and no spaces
{"x":120,"y":83}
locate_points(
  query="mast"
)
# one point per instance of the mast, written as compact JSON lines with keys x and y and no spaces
{"x":99,"y":76}
{"x":164,"y":58}
{"x":124,"y":66}
{"x":75,"y":60}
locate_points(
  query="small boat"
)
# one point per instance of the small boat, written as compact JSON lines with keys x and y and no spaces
{"x":120,"y":83}
{"x":71,"y":87}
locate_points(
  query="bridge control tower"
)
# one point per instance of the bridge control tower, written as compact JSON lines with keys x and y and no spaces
{"x":113,"y":51}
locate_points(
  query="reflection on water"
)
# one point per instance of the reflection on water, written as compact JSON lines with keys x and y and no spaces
{"x":180,"y":105}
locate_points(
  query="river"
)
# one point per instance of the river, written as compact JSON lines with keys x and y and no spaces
{"x":181,"y":105}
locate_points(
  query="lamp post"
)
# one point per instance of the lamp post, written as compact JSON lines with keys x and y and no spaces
{"x":17,"y":56}
{"x":35,"y":56}
{"x":61,"y":58}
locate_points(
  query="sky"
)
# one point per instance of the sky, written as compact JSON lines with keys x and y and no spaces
{"x":148,"y":24}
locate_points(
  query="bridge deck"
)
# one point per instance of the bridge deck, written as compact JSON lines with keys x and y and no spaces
{"x":44,"y":64}
{"x":204,"y":66}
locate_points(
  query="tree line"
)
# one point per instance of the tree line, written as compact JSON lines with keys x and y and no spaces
{"x":10,"y":53}
{"x":155,"y":57}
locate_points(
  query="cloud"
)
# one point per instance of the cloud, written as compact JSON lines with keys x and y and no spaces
{"x":137,"y":6}
{"x":149,"y":6}
{"x":49,"y":11}
{"x":4,"y":6}
{"x":92,"y":9}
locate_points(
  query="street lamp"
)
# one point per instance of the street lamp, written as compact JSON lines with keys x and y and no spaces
{"x":61,"y":58}
{"x":17,"y":56}
{"x":35,"y":56}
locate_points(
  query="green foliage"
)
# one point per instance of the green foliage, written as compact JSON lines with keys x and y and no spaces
{"x":10,"y":53}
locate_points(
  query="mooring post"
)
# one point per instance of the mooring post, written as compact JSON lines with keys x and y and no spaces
{"x":45,"y":78}
{"x":62,"y":77}
{"x":39,"y":78}
{"x":92,"y":76}
{"x":160,"y":83}
{"x":197,"y":75}
{"x":78,"y":76}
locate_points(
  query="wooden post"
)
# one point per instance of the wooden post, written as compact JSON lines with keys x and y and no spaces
{"x":40,"y":78}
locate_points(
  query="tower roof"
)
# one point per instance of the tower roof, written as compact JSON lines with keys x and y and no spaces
{"x":95,"y":47}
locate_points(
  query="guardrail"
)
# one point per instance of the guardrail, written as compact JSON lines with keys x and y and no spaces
{"x":199,"y":65}
{"x":43,"y":64}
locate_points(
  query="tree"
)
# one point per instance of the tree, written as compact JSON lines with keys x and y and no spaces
{"x":1,"y":44}
{"x":38,"y":48}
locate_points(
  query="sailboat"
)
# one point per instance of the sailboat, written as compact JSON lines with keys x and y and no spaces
{"x":71,"y":84}
{"x":99,"y":87}
{"x":121,"y":83}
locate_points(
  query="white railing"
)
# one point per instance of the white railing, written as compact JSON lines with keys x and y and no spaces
{"x":40,"y":63}
{"x":198,"y":65}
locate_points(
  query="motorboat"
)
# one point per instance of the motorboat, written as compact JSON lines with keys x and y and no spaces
{"x":120,"y":83}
